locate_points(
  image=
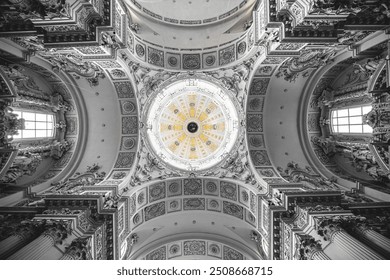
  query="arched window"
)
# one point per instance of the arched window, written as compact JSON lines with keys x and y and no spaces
{"x":36,"y":125}
{"x":350,"y":120}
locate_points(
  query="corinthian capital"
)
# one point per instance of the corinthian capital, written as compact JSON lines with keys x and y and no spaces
{"x":58,"y":230}
{"x":80,"y":249}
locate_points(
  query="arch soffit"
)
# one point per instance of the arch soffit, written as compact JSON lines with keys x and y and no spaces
{"x":192,"y":194}
{"x":182,"y":245}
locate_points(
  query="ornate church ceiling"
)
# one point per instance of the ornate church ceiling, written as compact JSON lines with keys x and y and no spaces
{"x":196,"y":115}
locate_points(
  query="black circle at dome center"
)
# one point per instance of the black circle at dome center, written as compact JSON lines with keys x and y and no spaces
{"x":192,"y":127}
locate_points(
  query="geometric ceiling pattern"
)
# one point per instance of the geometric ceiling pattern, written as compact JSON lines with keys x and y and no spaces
{"x":192,"y":124}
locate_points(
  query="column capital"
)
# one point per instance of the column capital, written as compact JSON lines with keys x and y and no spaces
{"x":327,"y":226}
{"x":80,"y":249}
{"x":307,"y":246}
{"x":362,"y":227}
{"x":27,"y":229}
{"x":57,"y":230}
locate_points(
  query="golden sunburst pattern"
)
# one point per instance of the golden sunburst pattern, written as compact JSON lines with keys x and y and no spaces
{"x":192,"y":124}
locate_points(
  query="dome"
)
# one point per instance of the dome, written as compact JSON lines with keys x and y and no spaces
{"x":192,"y":124}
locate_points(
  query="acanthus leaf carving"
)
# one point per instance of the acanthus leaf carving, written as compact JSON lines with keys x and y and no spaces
{"x":73,"y":63}
{"x":309,"y":179}
{"x":148,"y":167}
{"x":308,"y":60}
{"x":75,"y":185}
{"x":306,"y":246}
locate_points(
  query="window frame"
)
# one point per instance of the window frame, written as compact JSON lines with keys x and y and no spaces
{"x":332,"y":125}
{"x":35,"y":112}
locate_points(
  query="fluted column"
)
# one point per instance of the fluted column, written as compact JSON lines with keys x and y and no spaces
{"x":23,"y":233}
{"x":35,"y":249}
{"x":319,"y":255}
{"x":353,"y":248}
{"x":8,"y":244}
{"x":79,"y":249}
{"x":374,"y":238}
{"x":55,"y":232}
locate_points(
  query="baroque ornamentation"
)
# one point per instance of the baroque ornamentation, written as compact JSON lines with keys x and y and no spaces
{"x":157,"y":191}
{"x":227,"y":55}
{"x":213,"y":205}
{"x":154,"y":210}
{"x":256,"y":104}
{"x":244,"y":196}
{"x":260,"y":158}
{"x":194,"y":247}
{"x":156,"y":57}
{"x":241,"y":48}
{"x":124,"y":89}
{"x":191,"y":61}
{"x":137,"y":219}
{"x":172,"y":61}
{"x":133,"y":205}
{"x":72,"y":62}
{"x":259,"y":86}
{"x":174,"y":205}
{"x":76,"y":184}
{"x":117,"y":74}
{"x":192,"y":187}
{"x":125,"y":160}
{"x":233,"y":209}
{"x":127,"y":107}
{"x":264,"y":70}
{"x":307,"y":177}
{"x":117,"y":175}
{"x":306,"y":246}
{"x":253,"y":202}
{"x":211,"y":188}
{"x":130,"y":125}
{"x":109,"y":64}
{"x":254,"y":123}
{"x":149,"y":167}
{"x":141,"y":198}
{"x":174,"y":188}
{"x":228,"y":190}
{"x":256,"y":141}
{"x":158,"y":254}
{"x":194,"y":204}
{"x":214,"y":249}
{"x":308,"y":59}
{"x":273,"y":60}
{"x":231,"y":254}
{"x":128,"y":143}
{"x":140,"y":50}
{"x":210,"y":60}
{"x":313,"y":122}
{"x":174,"y":249}
{"x":266,"y":172}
